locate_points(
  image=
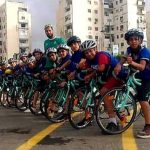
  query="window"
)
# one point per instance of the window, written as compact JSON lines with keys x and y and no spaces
{"x":117,"y":28}
{"x":90,"y":36}
{"x":96,"y":11}
{"x":89,"y":10}
{"x":116,"y":2}
{"x":122,"y":44}
{"x":89,"y":19}
{"x":121,"y":28}
{"x":121,"y":19}
{"x":23,"y":18}
{"x":0,"y":42}
{"x":95,"y":2}
{"x":96,"y":37}
{"x":121,"y":1}
{"x":89,"y":1}
{"x":117,"y":36}
{"x":96,"y":28}
{"x":121,"y":35}
{"x":96,"y":21}
{"x":89,"y":28}
{"x":23,"y":25}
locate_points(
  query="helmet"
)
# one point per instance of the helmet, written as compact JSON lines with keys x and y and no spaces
{"x":8,"y":71}
{"x":48,"y":26}
{"x":51,"y":50}
{"x":23,"y":55}
{"x":31,"y":59}
{"x":88,"y":44}
{"x":73,"y":39}
{"x":134,"y":32}
{"x":63,"y":46}
{"x":36,"y":50}
{"x":2,"y":63}
{"x":11,"y":60}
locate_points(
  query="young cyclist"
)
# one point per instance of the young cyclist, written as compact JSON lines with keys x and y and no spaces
{"x":103,"y":63}
{"x":74,"y":42}
{"x":40,"y":67}
{"x":138,"y":58}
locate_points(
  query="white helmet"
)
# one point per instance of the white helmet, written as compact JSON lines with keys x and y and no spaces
{"x":63,"y":46}
{"x":51,"y":50}
{"x":88,"y":44}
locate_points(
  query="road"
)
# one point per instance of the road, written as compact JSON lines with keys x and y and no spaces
{"x":23,"y":131}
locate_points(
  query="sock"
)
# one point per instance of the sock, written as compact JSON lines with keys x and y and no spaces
{"x":113,"y":120}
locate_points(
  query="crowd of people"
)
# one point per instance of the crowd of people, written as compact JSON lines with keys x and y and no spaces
{"x":73,"y":55}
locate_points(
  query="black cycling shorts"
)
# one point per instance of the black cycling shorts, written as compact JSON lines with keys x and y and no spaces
{"x":143,"y":90}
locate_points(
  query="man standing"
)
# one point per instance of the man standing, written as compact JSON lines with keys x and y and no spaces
{"x":52,"y":41}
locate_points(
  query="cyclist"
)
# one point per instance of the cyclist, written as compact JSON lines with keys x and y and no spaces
{"x":40,"y":67}
{"x":74,"y":42}
{"x":103,"y":63}
{"x":53,"y":60}
{"x":138,"y":58}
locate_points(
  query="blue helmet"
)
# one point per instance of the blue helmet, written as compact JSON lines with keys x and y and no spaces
{"x":134,"y":32}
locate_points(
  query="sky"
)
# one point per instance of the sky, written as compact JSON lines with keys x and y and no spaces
{"x":44,"y":12}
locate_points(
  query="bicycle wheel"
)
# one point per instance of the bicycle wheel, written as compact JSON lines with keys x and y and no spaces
{"x":21,"y":101}
{"x":125,"y":111}
{"x":80,"y":115}
{"x":35,"y":109}
{"x":4,"y":99}
{"x":55,"y":105}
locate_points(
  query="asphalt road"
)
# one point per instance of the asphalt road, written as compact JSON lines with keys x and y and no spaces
{"x":23,"y":131}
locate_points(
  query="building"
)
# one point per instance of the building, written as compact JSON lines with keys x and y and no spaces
{"x":128,"y":14}
{"x":105,"y":21}
{"x":15,"y":29}
{"x":81,"y":18}
{"x":148,"y":28}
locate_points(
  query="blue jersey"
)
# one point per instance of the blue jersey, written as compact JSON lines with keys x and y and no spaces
{"x":63,"y":60}
{"x":75,"y":59}
{"x":142,"y":54}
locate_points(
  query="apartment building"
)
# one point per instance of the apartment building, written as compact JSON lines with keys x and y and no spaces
{"x":15,"y":29}
{"x":105,"y":21}
{"x":148,"y":28}
{"x":128,"y":14}
{"x":81,"y":18}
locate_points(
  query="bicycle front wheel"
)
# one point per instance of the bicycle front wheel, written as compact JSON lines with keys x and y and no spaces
{"x":123,"y":107}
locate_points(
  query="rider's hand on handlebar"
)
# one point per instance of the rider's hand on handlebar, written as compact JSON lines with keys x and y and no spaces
{"x":129,"y":59}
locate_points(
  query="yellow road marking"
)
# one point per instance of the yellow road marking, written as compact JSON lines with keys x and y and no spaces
{"x":128,"y":140}
{"x":38,"y":137}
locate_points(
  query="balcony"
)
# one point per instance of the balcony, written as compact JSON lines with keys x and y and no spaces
{"x":23,"y":45}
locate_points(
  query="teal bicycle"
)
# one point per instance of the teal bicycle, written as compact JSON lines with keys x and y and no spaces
{"x":124,"y":105}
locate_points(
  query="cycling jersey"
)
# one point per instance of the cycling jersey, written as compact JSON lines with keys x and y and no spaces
{"x":40,"y":64}
{"x":75,"y":59}
{"x":142,"y":54}
{"x":53,"y":42}
{"x":63,"y":60}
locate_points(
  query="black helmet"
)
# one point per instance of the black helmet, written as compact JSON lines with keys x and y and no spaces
{"x":73,"y":39}
{"x":37,"y":50}
{"x":134,"y":32}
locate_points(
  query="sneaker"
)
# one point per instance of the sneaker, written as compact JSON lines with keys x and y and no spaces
{"x":83,"y":121}
{"x":27,"y":110}
{"x":112,"y":127}
{"x":144,"y":134}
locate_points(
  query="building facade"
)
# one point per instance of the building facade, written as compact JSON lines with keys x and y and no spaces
{"x":105,"y":21}
{"x":15,"y":29}
{"x":148,"y":28}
